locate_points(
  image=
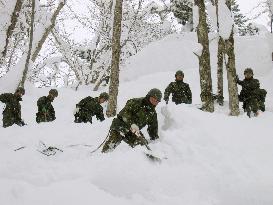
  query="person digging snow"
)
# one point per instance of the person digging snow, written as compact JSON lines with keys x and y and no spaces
{"x":89,"y":107}
{"x":137,"y":113}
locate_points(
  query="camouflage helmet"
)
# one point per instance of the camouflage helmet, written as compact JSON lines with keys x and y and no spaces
{"x":53,"y":92}
{"x":156,"y":93}
{"x":104,"y":95}
{"x":179,"y":72}
{"x":20,"y":90}
{"x":249,"y":71}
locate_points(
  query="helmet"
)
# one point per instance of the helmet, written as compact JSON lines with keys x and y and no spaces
{"x":156,"y":93}
{"x":249,"y":71}
{"x":53,"y":92}
{"x":20,"y":90}
{"x":104,"y":95}
{"x":179,"y":72}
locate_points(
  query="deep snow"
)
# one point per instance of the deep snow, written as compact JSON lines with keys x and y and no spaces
{"x":212,"y":159}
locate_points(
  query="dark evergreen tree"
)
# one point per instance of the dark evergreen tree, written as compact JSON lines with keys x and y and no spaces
{"x":244,"y":27}
{"x":182,"y":10}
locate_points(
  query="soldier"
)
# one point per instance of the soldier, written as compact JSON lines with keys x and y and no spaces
{"x":89,"y":107}
{"x":137,"y":113}
{"x":46,"y":112}
{"x":251,"y":95}
{"x":12,"y":112}
{"x":181,"y":92}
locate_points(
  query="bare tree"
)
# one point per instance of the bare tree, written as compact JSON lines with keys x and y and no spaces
{"x":231,"y":72}
{"x":204,"y":59}
{"x":47,"y":30}
{"x":14,"y":19}
{"x":22,"y":83}
{"x":220,"y":62}
{"x":116,"y":48}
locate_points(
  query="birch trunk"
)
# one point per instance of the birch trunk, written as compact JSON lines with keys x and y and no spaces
{"x":114,"y":76}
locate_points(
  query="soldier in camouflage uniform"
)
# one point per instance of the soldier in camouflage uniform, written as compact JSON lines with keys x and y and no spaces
{"x":89,"y":107}
{"x":12,"y":112}
{"x":251,"y":95}
{"x":46,"y":112}
{"x":137,"y":113}
{"x":181,"y":92}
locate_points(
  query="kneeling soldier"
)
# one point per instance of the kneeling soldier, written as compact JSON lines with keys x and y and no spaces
{"x":137,"y":113}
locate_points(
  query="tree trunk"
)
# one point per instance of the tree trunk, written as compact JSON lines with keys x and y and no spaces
{"x":220,"y":66}
{"x":14,"y":19}
{"x":114,"y":76}
{"x":47,"y":30}
{"x":231,"y":76}
{"x":204,"y":59}
{"x":22,"y":83}
{"x":231,"y":72}
{"x":220,"y":62}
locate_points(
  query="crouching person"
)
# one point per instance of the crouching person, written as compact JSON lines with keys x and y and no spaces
{"x":89,"y":107}
{"x":137,"y":113}
{"x":46,"y":112}
{"x":12,"y":111}
{"x":251,"y":95}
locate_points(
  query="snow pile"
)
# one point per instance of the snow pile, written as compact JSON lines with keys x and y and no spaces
{"x":177,"y":52}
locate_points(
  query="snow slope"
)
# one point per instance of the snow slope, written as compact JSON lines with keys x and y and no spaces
{"x":212,"y":159}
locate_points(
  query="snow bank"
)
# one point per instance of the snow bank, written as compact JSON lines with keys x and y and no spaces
{"x":176,"y":52}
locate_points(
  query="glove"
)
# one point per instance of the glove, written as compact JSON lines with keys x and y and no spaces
{"x":135,"y":129}
{"x":21,"y":123}
{"x":167,"y":100}
{"x":237,"y":78}
{"x":77,"y":109}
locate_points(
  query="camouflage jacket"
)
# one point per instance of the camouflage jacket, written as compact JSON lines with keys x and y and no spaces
{"x":46,"y":111}
{"x":137,"y":111}
{"x":250,"y":88}
{"x":91,"y":107}
{"x":181,"y":92}
{"x":13,"y":107}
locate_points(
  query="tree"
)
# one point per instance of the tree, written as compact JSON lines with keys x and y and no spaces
{"x":24,"y":76}
{"x":13,"y":22}
{"x":204,"y":59}
{"x":47,"y":30}
{"x":244,"y":28}
{"x":116,"y":48}
{"x":182,"y":10}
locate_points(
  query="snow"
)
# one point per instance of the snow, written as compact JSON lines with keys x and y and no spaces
{"x":211,"y":158}
{"x":225,"y":20}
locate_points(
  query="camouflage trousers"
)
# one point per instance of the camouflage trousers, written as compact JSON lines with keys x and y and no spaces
{"x":115,"y":138}
{"x":9,"y":119}
{"x":42,"y":117}
{"x":83,"y":116}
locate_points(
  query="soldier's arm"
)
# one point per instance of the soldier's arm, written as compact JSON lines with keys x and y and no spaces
{"x":83,"y":102}
{"x":4,"y":98}
{"x":153,"y":128}
{"x":238,"y":81}
{"x":100,"y":115}
{"x":189,"y":94}
{"x":42,"y":107}
{"x":168,"y":91}
{"x":128,"y":111}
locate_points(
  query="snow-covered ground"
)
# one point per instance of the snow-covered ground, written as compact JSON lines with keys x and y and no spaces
{"x":209,"y":158}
